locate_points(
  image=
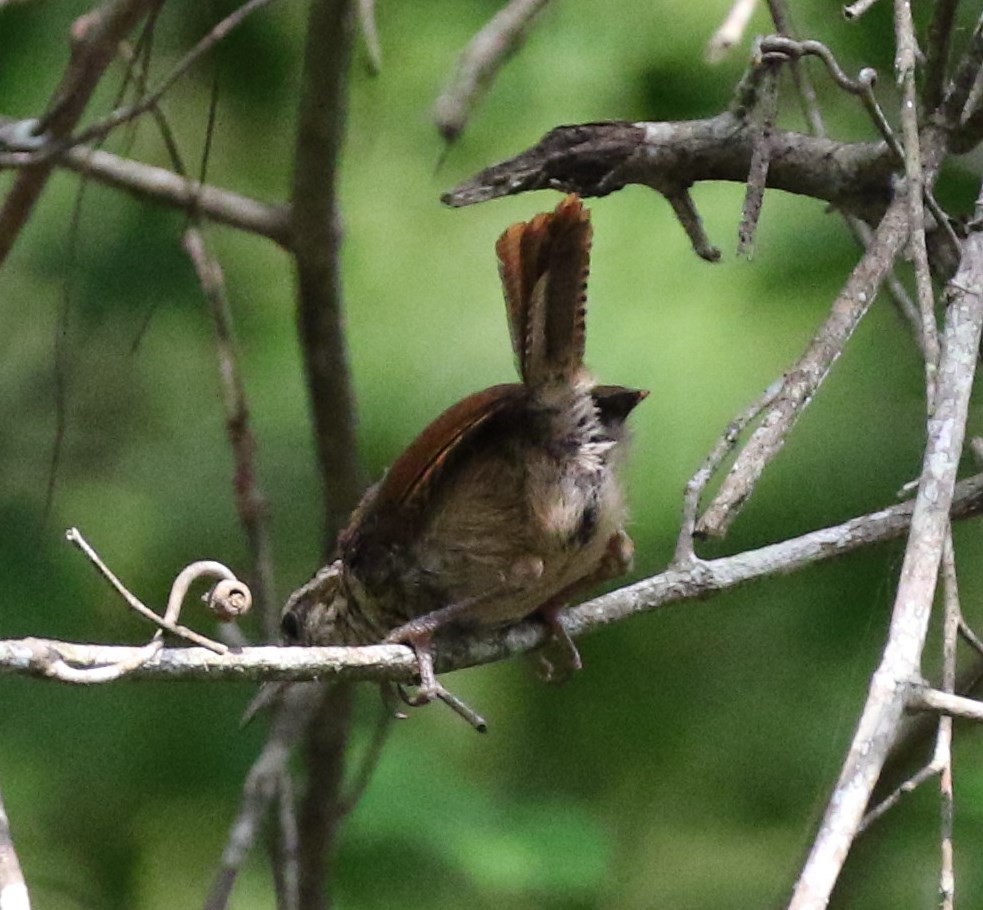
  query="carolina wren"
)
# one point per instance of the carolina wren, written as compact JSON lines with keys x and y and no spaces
{"x":509,"y":503}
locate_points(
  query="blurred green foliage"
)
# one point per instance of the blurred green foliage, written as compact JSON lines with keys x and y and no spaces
{"x":687,"y":765}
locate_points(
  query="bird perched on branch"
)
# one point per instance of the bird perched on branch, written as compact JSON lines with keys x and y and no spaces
{"x":509,"y":504}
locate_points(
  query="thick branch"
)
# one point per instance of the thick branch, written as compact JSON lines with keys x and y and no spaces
{"x":693,"y":582}
{"x":594,"y":159}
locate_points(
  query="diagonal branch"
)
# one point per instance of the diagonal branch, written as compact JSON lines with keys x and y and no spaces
{"x":900,"y":666}
{"x":95,"y":37}
{"x":802,"y":382}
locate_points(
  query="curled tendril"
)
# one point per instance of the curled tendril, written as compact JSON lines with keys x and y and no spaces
{"x":229,"y":599}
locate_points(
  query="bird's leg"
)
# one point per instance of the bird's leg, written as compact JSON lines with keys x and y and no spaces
{"x":616,"y":560}
{"x":418,"y":634}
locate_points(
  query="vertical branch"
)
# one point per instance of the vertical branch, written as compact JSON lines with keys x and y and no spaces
{"x":250,"y":501}
{"x":95,"y":37}
{"x":316,"y":227}
{"x":937,"y":55}
{"x":900,"y":666}
{"x":916,"y":181}
{"x":323,"y":808}
{"x":943,"y":744}
{"x":317,"y":247}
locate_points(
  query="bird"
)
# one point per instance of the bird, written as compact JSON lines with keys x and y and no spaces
{"x":508,"y":505}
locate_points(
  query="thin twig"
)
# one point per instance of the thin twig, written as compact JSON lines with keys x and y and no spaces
{"x":479,"y":63}
{"x":763,"y":124}
{"x":856,"y":9}
{"x":370,"y":34}
{"x":250,"y":501}
{"x":166,"y":622}
{"x":937,"y":52}
{"x":686,"y":213}
{"x":291,"y":717}
{"x":369,"y":761}
{"x":782,"y":18}
{"x":731,"y":30}
{"x":217,"y":33}
{"x":95,"y":38}
{"x":685,"y":552}
{"x":921,"y":776}
{"x":917,"y":183}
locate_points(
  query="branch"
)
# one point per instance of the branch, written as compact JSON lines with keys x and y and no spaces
{"x":594,"y":159}
{"x":924,"y":698}
{"x":157,"y":184}
{"x":317,"y":249}
{"x":802,"y":382}
{"x":251,"y":503}
{"x":880,"y":722}
{"x":695,"y":581}
{"x":95,"y":37}
{"x":316,"y":222}
{"x":480,"y":61}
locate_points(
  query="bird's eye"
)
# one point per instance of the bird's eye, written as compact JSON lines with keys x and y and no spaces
{"x":290,"y":627}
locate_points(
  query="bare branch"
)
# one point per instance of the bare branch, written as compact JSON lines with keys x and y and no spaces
{"x":123,"y":115}
{"x":900,"y":665}
{"x":731,"y":30}
{"x":923,"y":698}
{"x":594,"y":159}
{"x":157,"y":184}
{"x":322,"y":810}
{"x":317,"y":248}
{"x":480,"y":62}
{"x":803,"y":381}
{"x":943,"y":743}
{"x":316,"y":223}
{"x":937,"y":52}
{"x":917,"y":182}
{"x":95,"y":37}
{"x":291,"y":717}
{"x":250,"y":501}
{"x":694,"y":582}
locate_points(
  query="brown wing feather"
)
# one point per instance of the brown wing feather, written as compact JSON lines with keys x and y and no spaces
{"x":544,"y":265}
{"x":404,"y":491}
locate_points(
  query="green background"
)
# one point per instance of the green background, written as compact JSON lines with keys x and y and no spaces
{"x":688,"y":765}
